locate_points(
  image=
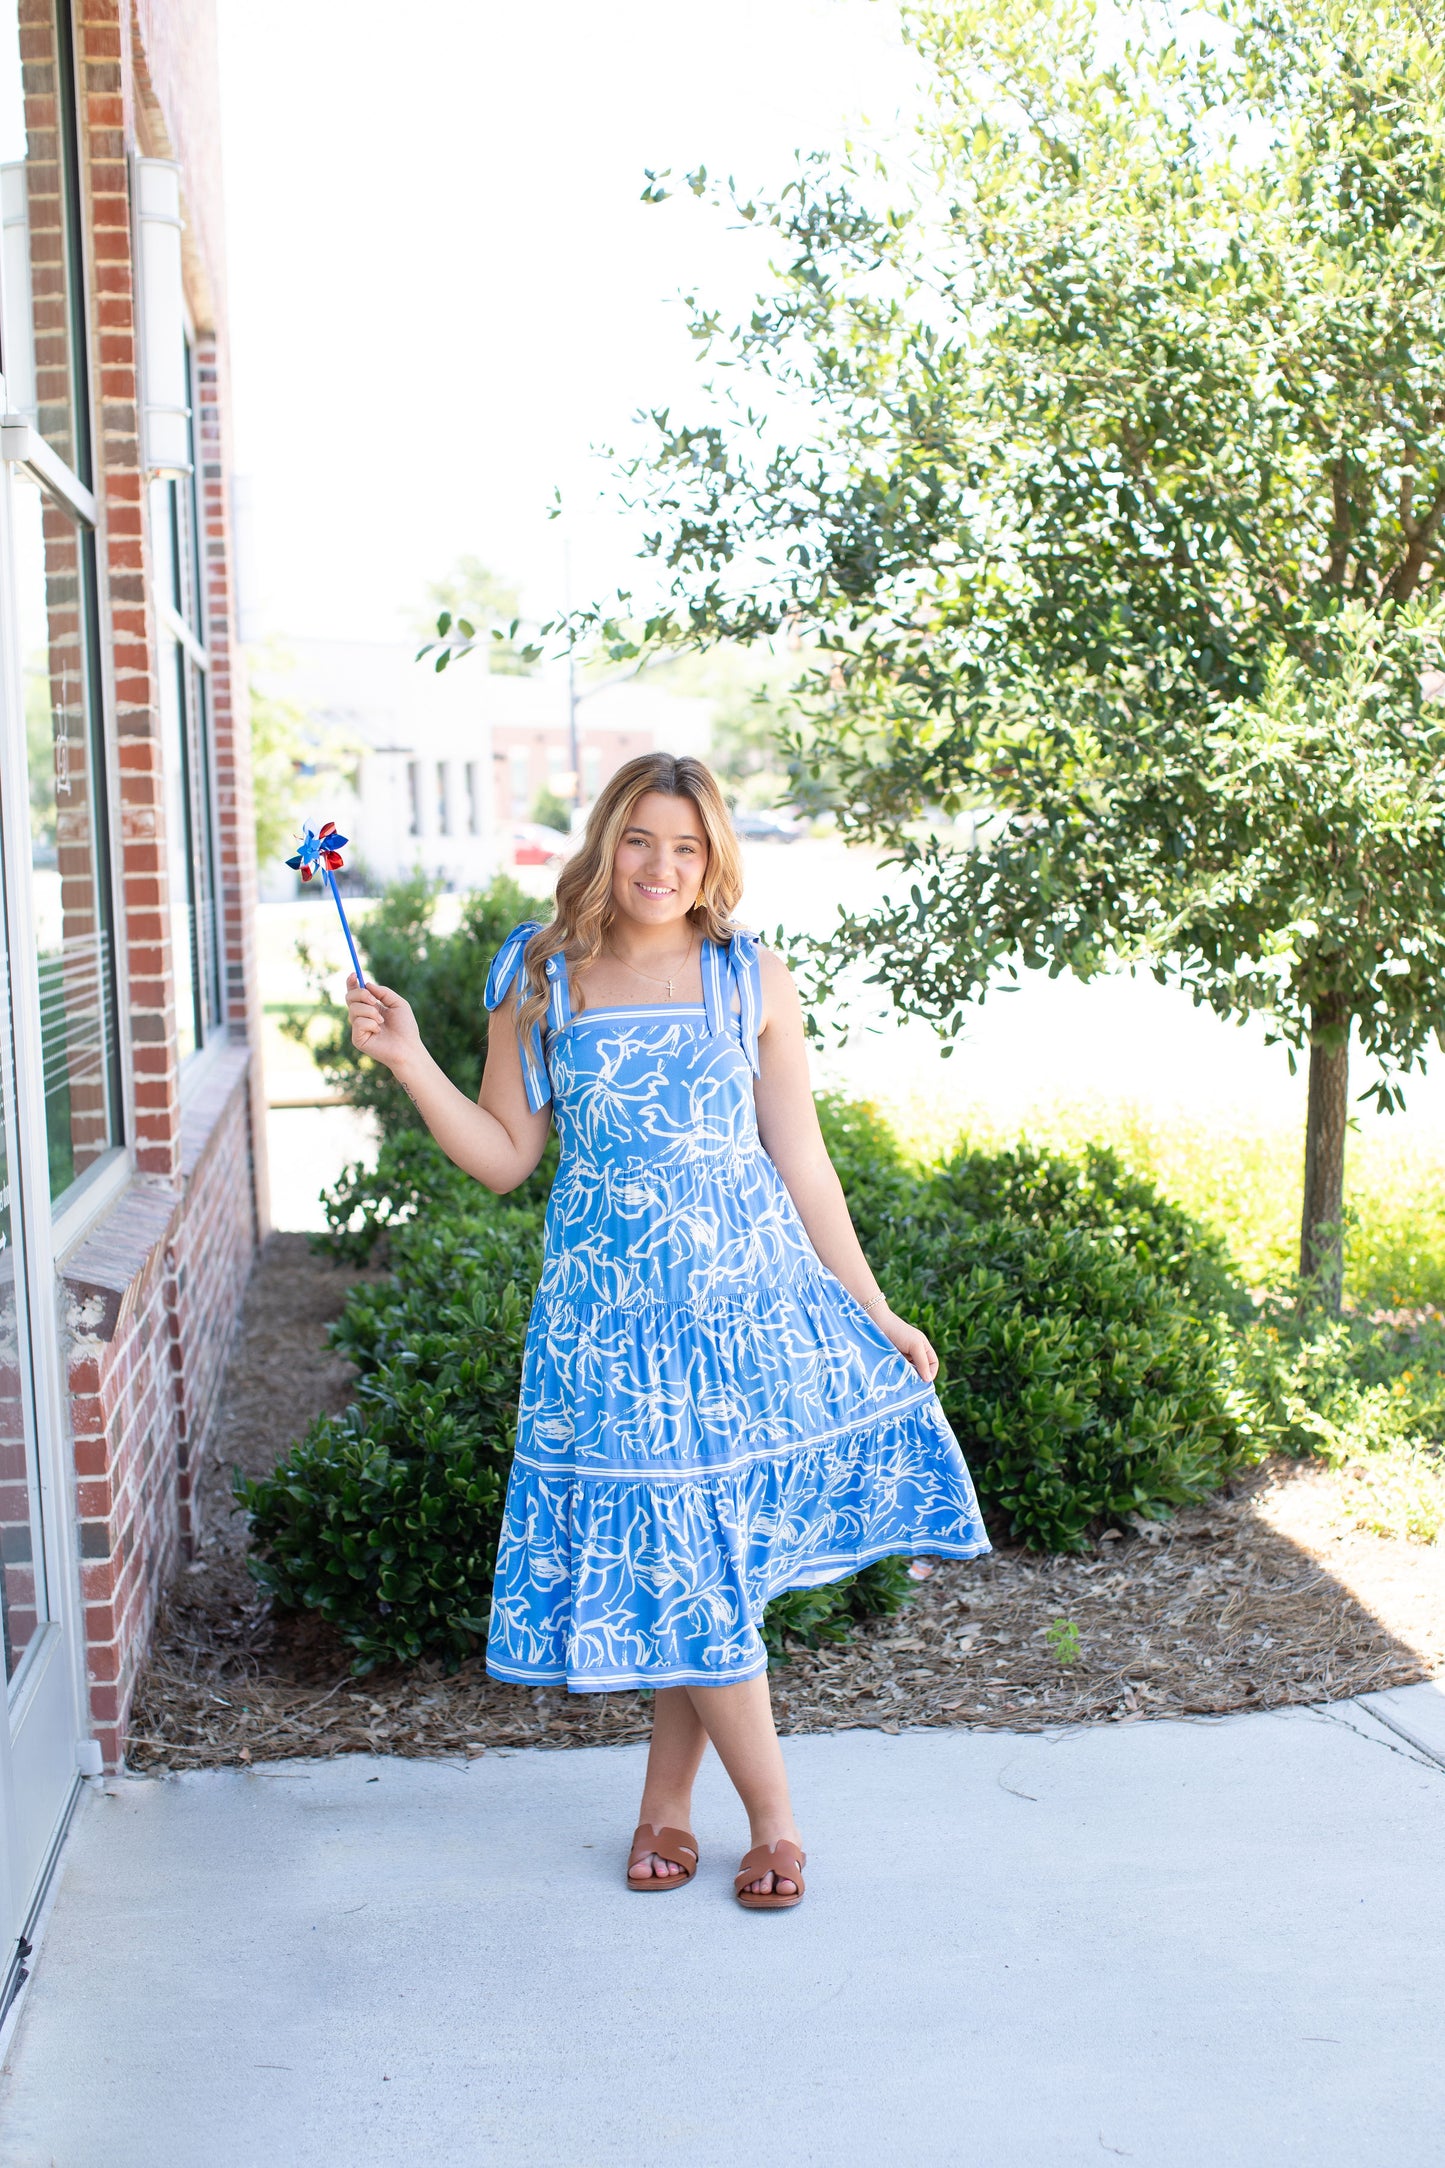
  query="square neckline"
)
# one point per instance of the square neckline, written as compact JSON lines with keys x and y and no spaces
{"x":561,"y":1015}
{"x":731,"y":1000}
{"x":630,"y":1008}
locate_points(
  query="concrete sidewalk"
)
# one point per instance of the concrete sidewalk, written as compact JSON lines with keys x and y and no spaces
{"x":1200,"y":1944}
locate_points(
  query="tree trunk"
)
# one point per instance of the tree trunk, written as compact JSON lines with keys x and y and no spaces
{"x":1321,"y":1251}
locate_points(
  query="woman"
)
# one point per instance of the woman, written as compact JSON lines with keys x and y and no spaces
{"x":717,"y":1402}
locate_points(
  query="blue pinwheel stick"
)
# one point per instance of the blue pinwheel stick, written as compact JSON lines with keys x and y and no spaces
{"x":320,"y":852}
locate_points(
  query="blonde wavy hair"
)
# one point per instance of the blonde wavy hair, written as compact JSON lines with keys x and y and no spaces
{"x":585,"y":908}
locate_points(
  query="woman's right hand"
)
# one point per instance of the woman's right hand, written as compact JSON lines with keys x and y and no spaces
{"x":382,"y":1024}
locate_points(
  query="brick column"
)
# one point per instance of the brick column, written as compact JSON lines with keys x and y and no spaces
{"x":231,"y":746}
{"x":145,"y":932}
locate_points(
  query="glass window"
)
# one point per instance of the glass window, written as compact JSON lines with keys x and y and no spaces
{"x":474,"y":797}
{"x":190,"y":1031}
{"x":54,"y":585}
{"x":42,"y":336}
{"x":23,"y":1603}
{"x":413,"y":786}
{"x":186,"y":750}
{"x":205,"y":915}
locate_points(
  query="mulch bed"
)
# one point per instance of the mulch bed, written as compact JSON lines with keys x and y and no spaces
{"x":1221,"y":1609}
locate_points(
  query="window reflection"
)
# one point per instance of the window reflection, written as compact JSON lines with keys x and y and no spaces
{"x":23,"y":1606}
{"x":185,"y":744}
{"x":72,"y":919}
{"x":179,"y":843}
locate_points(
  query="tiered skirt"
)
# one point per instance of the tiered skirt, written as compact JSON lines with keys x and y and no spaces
{"x":679,"y":1464}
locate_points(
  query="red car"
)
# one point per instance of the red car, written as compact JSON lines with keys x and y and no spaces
{"x":534,"y":845}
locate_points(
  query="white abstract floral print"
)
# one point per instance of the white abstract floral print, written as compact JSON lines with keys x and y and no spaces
{"x":707,"y":1416}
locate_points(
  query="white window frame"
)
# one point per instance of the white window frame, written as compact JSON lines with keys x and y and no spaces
{"x":93,"y":1193}
{"x":195,"y":646}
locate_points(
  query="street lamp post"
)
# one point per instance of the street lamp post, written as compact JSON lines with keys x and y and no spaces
{"x":574,"y":746}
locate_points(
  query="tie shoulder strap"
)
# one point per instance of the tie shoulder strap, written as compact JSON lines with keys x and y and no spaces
{"x":509,"y":970}
{"x":559,"y":992}
{"x":509,"y":964}
{"x":732,"y":991}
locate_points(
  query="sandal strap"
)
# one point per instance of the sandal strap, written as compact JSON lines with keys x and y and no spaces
{"x":677,"y":1846}
{"x":784,"y":1859}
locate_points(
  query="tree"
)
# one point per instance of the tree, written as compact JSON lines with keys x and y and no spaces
{"x":483,"y":608}
{"x":1115,"y":517}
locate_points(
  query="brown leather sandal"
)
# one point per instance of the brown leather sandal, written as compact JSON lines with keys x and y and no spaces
{"x":781,"y":1860}
{"x":677,"y":1846}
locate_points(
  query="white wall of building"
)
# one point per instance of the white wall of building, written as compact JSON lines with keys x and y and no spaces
{"x":425,"y":796}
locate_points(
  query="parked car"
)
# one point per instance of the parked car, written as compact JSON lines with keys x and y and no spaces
{"x":766,"y":827}
{"x":534,"y":845}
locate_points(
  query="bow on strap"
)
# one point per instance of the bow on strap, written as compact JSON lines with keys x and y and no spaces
{"x":731,"y":977}
{"x":509,"y":969}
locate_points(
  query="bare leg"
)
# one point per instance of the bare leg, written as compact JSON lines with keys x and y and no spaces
{"x":739,"y":1721}
{"x":678,"y":1745}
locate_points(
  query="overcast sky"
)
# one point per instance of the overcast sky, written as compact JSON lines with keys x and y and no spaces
{"x":444,"y":287}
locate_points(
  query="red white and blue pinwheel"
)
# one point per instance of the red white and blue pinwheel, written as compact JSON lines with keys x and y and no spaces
{"x":320,"y":852}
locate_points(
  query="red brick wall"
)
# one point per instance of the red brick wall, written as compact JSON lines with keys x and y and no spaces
{"x":125,"y":1420}
{"x":230,"y":742}
{"x":153,"y":1295}
{"x":156,"y":1288}
{"x":547,"y":751}
{"x":209,"y":1261}
{"x":108,"y":122}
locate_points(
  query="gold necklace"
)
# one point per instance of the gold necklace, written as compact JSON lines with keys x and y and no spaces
{"x":669,"y":983}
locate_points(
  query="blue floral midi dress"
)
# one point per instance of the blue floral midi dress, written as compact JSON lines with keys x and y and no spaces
{"x":707,"y":1416}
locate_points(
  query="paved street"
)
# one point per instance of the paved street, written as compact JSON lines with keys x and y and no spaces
{"x":1183,"y":1945}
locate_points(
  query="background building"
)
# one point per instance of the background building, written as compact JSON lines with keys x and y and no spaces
{"x":446,"y":764}
{"x":130,"y":1193}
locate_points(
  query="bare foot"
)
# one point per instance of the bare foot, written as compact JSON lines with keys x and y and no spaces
{"x":769,"y":1885}
{"x":643,"y":1870}
{"x":653,"y":1866}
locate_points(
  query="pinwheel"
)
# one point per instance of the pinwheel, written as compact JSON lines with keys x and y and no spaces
{"x":320,"y":852}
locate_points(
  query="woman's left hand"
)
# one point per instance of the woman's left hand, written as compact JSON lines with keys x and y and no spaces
{"x":911,"y":1343}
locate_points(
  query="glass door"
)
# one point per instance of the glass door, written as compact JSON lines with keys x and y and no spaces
{"x":38,"y":1771}
{"x":59,"y":1081}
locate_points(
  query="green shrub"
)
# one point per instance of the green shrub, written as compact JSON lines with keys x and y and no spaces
{"x":385,"y":1519}
{"x":1094,"y":1193}
{"x":818,"y":1615}
{"x":1083,"y":1387}
{"x":896,"y":1204}
{"x":1241,"y":1175}
{"x":882,"y":1185}
{"x":550,"y":811}
{"x":443,"y":976}
{"x":1087,"y":1367}
{"x":1336,"y":1388}
{"x":1078,"y":1316}
{"x":368,"y":1204}
{"x":1399,"y":1492}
